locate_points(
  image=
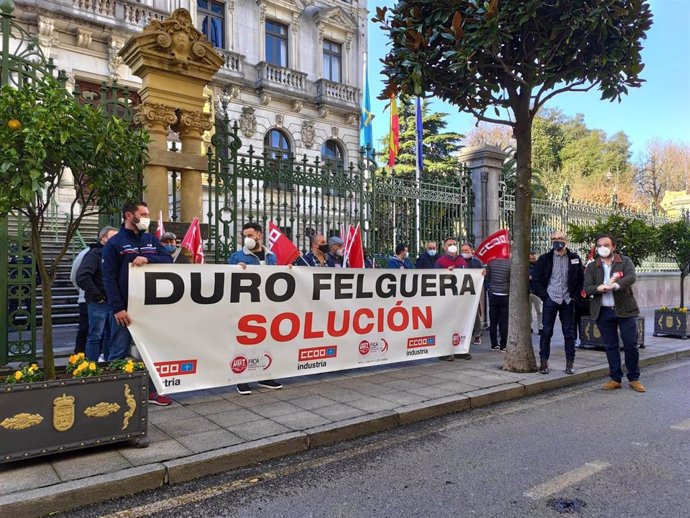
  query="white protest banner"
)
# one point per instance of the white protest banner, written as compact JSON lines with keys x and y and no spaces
{"x":204,"y":326}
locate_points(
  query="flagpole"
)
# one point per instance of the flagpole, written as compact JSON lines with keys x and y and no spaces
{"x":418,"y":172}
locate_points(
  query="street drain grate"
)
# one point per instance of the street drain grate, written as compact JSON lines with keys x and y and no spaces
{"x":563,"y":505}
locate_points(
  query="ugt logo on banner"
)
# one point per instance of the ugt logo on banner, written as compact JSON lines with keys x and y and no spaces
{"x":496,"y":246}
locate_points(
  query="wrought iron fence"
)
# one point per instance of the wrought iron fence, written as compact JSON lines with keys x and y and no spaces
{"x":307,"y":196}
{"x":550,"y":214}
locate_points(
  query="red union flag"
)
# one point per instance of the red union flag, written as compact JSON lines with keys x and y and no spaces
{"x":354,"y":251}
{"x":496,"y":246}
{"x":278,"y":243}
{"x":160,"y":229}
{"x":191,"y":244}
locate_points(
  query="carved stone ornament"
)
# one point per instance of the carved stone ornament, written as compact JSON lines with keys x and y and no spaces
{"x":248,"y":121}
{"x":279,"y":120}
{"x":84,"y":38}
{"x":114,"y":60}
{"x":193,"y":123}
{"x":334,"y":132}
{"x":264,"y":99}
{"x":297,"y":106}
{"x":155,"y":116}
{"x":352,"y":118}
{"x":308,"y":134}
{"x":323,"y":112}
{"x":172,"y":43}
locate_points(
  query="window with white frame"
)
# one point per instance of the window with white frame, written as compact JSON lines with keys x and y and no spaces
{"x":212,"y":17}
{"x":276,"y":43}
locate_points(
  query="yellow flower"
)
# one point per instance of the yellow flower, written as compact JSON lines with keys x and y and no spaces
{"x":34,"y":366}
{"x":81,"y":356}
{"x":92,"y":366}
{"x":18,"y":375}
{"x":73,"y":359}
{"x":129,"y":368}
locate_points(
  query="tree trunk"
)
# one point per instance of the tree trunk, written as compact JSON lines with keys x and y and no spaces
{"x":519,"y":356}
{"x":682,"y":282}
{"x":46,"y":289}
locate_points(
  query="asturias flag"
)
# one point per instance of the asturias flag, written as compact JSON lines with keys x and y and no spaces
{"x":394,"y":134}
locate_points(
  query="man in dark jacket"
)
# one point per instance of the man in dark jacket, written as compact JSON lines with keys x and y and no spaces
{"x":608,"y":284}
{"x":428,"y":258}
{"x":451,"y":260}
{"x":90,"y":279}
{"x":498,"y":279}
{"x":132,"y":245}
{"x":400,"y":261}
{"x":534,"y":300}
{"x":557,"y":280}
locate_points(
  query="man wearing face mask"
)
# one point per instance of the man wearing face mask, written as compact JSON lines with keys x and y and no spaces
{"x":534,"y":300}
{"x":451,"y":259}
{"x":608,"y":283}
{"x":132,"y":245}
{"x":428,"y":258}
{"x":169,"y":244}
{"x":558,"y":278}
{"x":335,"y":251}
{"x":254,"y":253}
{"x":400,"y":261}
{"x":318,"y":255}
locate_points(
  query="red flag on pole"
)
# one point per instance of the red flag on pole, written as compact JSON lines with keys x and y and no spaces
{"x":356,"y":253}
{"x":394,"y":135}
{"x":496,"y":246}
{"x":159,"y":229}
{"x":192,"y":244}
{"x":285,"y":250}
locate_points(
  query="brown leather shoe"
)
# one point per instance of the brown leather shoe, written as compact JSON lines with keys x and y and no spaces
{"x":612,"y":385}
{"x":637,"y":386}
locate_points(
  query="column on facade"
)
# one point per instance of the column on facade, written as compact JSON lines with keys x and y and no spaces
{"x":156,"y":118}
{"x":192,"y":125}
{"x":485,"y":164}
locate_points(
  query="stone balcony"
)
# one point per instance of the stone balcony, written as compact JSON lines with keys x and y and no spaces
{"x":126,"y":14}
{"x":337,"y":95}
{"x":233,"y":64}
{"x":280,"y":79}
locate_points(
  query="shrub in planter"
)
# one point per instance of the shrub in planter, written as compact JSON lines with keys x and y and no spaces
{"x":87,"y":405}
{"x":672,"y":321}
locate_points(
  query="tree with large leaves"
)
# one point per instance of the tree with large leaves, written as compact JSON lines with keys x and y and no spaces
{"x":513,"y":57}
{"x":43,"y":132}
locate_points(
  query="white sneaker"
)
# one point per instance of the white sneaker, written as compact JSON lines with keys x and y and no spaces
{"x":101,"y":359}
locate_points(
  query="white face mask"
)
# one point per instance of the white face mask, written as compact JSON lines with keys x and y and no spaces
{"x":143,"y":223}
{"x":466,"y":256}
{"x":249,"y":243}
{"x":431,"y":252}
{"x":406,"y":255}
{"x":452,"y":249}
{"x":339,"y":252}
{"x":604,"y":251}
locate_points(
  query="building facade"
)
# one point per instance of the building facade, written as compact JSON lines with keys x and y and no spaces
{"x":292,"y":69}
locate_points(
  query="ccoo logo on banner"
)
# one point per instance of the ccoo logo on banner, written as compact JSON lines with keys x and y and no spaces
{"x":204,"y":326}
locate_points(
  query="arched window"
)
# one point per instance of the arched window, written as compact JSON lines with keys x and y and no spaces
{"x":277,"y":151}
{"x":333,"y":160}
{"x":276,"y":144}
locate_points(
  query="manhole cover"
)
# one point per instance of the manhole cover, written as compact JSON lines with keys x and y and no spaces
{"x":563,"y":505}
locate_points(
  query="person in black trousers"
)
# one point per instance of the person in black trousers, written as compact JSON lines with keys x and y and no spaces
{"x":498,"y":279}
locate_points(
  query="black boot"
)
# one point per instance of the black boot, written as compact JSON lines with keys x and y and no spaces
{"x":543,"y":366}
{"x":569,"y":367}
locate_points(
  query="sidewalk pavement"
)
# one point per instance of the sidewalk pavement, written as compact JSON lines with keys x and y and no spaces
{"x":216,"y":430}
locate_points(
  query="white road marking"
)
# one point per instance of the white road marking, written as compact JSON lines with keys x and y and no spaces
{"x":568,"y":478}
{"x":684,"y":426}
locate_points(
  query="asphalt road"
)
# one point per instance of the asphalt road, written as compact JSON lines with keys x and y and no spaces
{"x":579,"y":450}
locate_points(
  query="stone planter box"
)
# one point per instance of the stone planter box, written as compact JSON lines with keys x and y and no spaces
{"x":671,"y":323}
{"x":69,"y":414}
{"x":591,"y":336}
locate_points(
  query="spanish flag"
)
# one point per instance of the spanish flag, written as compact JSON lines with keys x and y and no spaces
{"x":394,"y":134}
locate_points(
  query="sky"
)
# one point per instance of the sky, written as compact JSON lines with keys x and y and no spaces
{"x":659,"y":109}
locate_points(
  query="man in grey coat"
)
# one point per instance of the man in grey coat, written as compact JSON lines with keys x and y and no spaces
{"x":608,"y":282}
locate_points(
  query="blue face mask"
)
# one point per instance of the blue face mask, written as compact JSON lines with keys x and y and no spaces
{"x":431,"y":252}
{"x":170,"y":248}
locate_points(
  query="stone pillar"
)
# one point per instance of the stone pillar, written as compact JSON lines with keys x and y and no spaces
{"x":192,"y":125}
{"x":485,"y":163}
{"x":156,"y":118}
{"x":175,"y":63}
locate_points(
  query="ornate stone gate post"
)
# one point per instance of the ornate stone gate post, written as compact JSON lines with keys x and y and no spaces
{"x":175,"y":62}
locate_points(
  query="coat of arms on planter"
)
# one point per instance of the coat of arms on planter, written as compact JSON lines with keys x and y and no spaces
{"x":63,"y":413}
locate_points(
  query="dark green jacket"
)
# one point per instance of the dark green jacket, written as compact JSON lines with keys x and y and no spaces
{"x":624,"y":299}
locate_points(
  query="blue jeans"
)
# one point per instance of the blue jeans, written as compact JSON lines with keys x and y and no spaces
{"x":566,"y":312}
{"x":609,"y":324}
{"x":120,"y":341}
{"x":100,"y":317}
